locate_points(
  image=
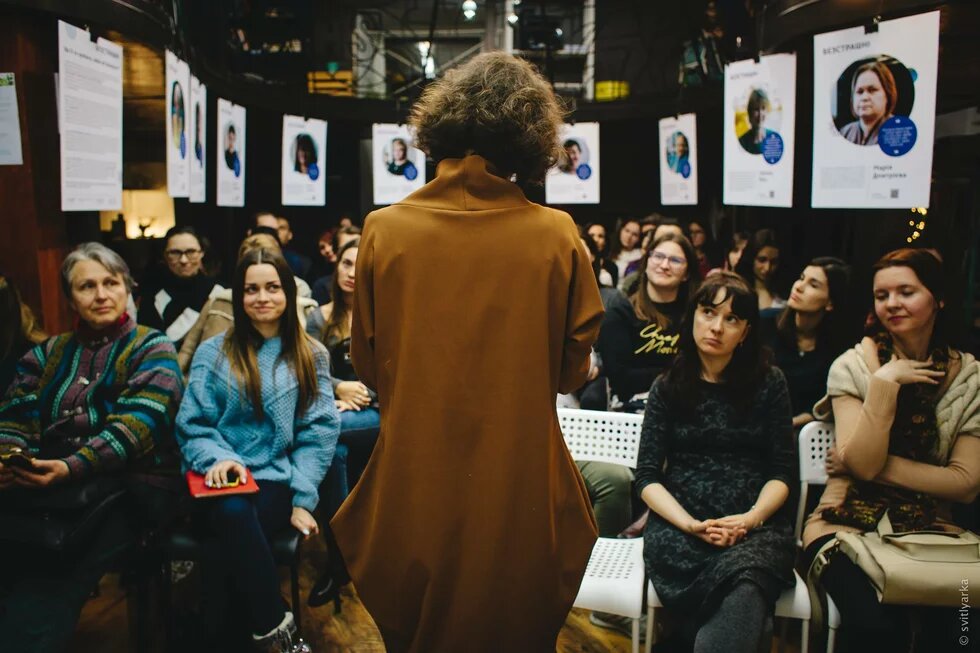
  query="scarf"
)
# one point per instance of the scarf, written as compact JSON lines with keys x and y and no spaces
{"x":913,"y":435}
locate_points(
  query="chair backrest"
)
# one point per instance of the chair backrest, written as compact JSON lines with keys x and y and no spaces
{"x":601,"y":436}
{"x":815,"y":439}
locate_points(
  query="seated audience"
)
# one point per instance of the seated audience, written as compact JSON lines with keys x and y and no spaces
{"x":758,"y":265}
{"x":652,"y":228}
{"x":906,"y":411}
{"x":597,"y":232}
{"x":19,"y":331}
{"x":323,"y":283}
{"x":217,"y":315}
{"x":716,"y":464}
{"x":357,"y":404}
{"x":299,"y":264}
{"x":734,"y":252}
{"x":805,"y":337}
{"x":626,"y":247}
{"x":603,"y":278}
{"x":704,"y":246}
{"x":85,"y":405}
{"x":171,"y":299}
{"x":324,"y":265}
{"x":259,"y":402}
{"x":639,"y":333}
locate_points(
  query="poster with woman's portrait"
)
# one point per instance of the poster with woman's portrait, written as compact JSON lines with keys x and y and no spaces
{"x":760,"y":115}
{"x":399,"y":168}
{"x":679,"y":159}
{"x":874,"y":114}
{"x":198,"y":131}
{"x":230,"y":147}
{"x":575,"y":180}
{"x":304,"y":152}
{"x":178,"y":79}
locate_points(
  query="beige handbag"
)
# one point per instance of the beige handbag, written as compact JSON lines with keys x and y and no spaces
{"x":917,"y":567}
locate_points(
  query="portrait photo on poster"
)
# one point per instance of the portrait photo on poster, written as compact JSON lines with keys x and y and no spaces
{"x":232,"y":159}
{"x":758,"y":119}
{"x":677,"y":151}
{"x":576,"y":160}
{"x":305,"y":157}
{"x":397,"y":161}
{"x":178,"y":131}
{"x":872,"y":101}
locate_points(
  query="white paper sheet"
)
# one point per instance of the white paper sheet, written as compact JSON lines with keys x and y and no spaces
{"x":230,"y":146}
{"x":176,"y":120}
{"x":399,"y":168}
{"x":874,"y":114}
{"x":576,"y":180}
{"x":304,"y":153}
{"x":10,"y":149}
{"x":198,"y":134}
{"x":90,"y":101}
{"x":678,"y":159}
{"x":759,"y":129}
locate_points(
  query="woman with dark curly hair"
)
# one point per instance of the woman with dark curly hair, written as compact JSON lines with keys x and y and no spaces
{"x":473,"y":308}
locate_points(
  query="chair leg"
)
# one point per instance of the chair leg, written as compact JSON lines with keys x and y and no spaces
{"x":297,"y":608}
{"x":651,"y":626}
{"x":166,"y":595}
{"x":805,"y":636}
{"x":636,"y":635}
{"x":831,"y":639}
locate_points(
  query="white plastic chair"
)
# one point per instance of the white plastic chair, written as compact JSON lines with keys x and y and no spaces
{"x":613,"y":580}
{"x":816,"y":438}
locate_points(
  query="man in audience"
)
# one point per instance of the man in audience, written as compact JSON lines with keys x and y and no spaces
{"x":298,"y":263}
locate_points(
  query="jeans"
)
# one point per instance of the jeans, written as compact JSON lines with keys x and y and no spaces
{"x":358,"y":433}
{"x":238,"y":529}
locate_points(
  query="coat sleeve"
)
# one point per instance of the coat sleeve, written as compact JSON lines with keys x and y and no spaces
{"x":20,"y":422}
{"x":362,"y":325}
{"x":583,"y":317}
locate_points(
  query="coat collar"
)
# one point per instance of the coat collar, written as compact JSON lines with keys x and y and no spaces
{"x":467,"y":184}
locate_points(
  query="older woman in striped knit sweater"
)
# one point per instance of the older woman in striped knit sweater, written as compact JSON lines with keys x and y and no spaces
{"x":93,"y":401}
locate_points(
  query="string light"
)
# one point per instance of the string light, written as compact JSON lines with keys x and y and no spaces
{"x":918,"y":226}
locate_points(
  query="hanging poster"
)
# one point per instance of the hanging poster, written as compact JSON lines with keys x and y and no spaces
{"x":874,"y":114}
{"x":304,"y":151}
{"x":575,"y":180}
{"x":679,"y":159}
{"x":399,"y":169}
{"x":10,"y":150}
{"x":760,"y":116}
{"x":231,"y":160}
{"x":90,"y":102}
{"x":198,"y":131}
{"x":178,"y":89}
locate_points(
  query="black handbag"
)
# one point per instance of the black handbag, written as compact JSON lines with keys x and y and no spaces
{"x":59,"y":518}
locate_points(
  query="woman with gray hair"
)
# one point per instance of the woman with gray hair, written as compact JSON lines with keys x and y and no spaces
{"x":83,"y":407}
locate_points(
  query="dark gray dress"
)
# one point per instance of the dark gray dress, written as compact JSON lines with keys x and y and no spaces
{"x":716,"y":465}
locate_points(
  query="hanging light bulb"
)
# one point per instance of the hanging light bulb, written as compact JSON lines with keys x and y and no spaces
{"x":469,"y":9}
{"x":512,"y":19}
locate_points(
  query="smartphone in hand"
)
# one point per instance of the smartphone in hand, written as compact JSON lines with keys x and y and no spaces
{"x":14,"y":456}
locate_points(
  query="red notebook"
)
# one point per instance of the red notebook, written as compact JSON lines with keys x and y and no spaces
{"x":195,"y":483}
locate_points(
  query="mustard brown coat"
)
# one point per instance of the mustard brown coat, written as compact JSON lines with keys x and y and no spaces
{"x":471,"y":528}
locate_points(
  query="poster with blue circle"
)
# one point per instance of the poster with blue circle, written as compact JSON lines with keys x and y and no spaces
{"x":304,"y":150}
{"x":177,"y":122}
{"x":198,"y":132}
{"x":230,"y":142}
{"x":874,"y":114}
{"x":398,"y":168}
{"x":575,"y":177}
{"x":678,"y":159}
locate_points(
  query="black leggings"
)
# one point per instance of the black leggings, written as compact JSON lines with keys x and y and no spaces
{"x":867,"y":625}
{"x":741,"y":624}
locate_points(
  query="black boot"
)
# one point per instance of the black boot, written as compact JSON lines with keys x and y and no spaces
{"x":334,"y":577}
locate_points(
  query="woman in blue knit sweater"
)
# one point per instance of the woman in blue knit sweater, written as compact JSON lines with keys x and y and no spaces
{"x":259,"y":401}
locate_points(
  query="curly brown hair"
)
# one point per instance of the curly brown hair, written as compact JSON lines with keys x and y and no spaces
{"x":494,"y":105}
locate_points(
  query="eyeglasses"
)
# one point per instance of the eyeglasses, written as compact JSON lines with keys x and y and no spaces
{"x":674,"y":261}
{"x":177,"y":254}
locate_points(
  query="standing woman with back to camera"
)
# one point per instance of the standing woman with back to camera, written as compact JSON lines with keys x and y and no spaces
{"x":470,"y":529}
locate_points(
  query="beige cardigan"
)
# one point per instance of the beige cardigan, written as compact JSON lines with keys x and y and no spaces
{"x":863,"y":406}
